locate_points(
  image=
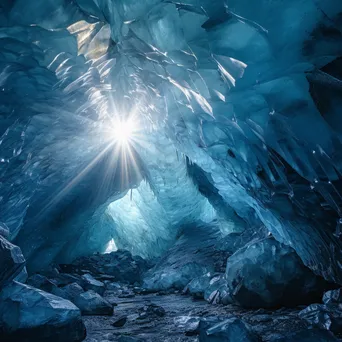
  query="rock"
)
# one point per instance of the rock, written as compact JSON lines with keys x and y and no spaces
{"x":189,"y":324}
{"x":104,"y":277}
{"x":113,"y":287}
{"x":52,"y":271}
{"x":192,"y":256}
{"x":41,"y":282}
{"x":232,"y":330}
{"x":324,"y":316}
{"x":22,"y":276}
{"x":12,"y":261}
{"x":28,"y":314}
{"x":261,"y":318}
{"x":71,"y":291}
{"x":308,"y":335}
{"x":119,"y":266}
{"x":197,"y":286}
{"x":231,"y":243}
{"x":91,"y":303}
{"x":176,"y":278}
{"x":127,"y":295}
{"x":218,"y":291}
{"x":90,"y":283}
{"x":332,"y":296}
{"x":63,"y":279}
{"x":270,"y":274}
{"x":151,"y":310}
{"x":120,"y":321}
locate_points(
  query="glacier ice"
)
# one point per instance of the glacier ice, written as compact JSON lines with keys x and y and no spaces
{"x":30,"y":314}
{"x":269,"y":274}
{"x":238,"y":114}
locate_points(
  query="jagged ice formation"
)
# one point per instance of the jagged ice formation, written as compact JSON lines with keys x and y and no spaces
{"x":237,"y":108}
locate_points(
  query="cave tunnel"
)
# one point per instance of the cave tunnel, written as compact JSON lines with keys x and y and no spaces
{"x":170,"y":170}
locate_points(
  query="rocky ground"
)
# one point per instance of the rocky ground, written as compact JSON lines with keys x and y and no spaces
{"x":120,"y":297}
{"x":180,"y":322}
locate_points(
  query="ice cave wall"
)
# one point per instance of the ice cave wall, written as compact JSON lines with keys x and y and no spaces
{"x":246,"y":94}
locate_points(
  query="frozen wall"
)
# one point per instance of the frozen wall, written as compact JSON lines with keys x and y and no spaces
{"x":248,"y":91}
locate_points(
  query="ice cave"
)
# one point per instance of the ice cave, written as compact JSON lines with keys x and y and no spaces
{"x":170,"y":170}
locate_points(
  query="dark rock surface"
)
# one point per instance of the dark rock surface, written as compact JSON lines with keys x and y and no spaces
{"x":194,"y":254}
{"x":90,"y":283}
{"x":218,"y":291}
{"x":119,"y":266}
{"x":28,"y":314}
{"x":333,"y":297}
{"x":198,"y":286}
{"x":182,"y":317}
{"x":151,"y":310}
{"x":232,"y":330}
{"x":12,"y":261}
{"x":270,"y":274}
{"x":22,"y":276}
{"x":43,"y":283}
{"x":120,"y":321}
{"x":91,"y":303}
{"x":324,"y":316}
{"x":71,"y":291}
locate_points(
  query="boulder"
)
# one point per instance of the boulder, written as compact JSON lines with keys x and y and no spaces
{"x":218,"y":292}
{"x":269,"y":274}
{"x":71,"y":291}
{"x":120,"y":321}
{"x":118,"y":266}
{"x":63,"y":279}
{"x":90,"y":283}
{"x":41,"y":282}
{"x":176,"y":278}
{"x":12,"y":261}
{"x":324,"y":316}
{"x":231,"y":243}
{"x":91,"y":303}
{"x":22,"y":276}
{"x":115,"y":287}
{"x":151,"y":311}
{"x":193,"y":255}
{"x":232,"y":330}
{"x":198,"y":286}
{"x":28,"y":314}
{"x":333,"y":297}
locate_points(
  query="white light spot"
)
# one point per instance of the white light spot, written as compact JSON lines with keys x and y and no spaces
{"x":124,"y":131}
{"x":111,"y":247}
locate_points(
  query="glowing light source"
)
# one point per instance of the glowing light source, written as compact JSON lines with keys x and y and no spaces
{"x":111,"y":247}
{"x":124,"y":131}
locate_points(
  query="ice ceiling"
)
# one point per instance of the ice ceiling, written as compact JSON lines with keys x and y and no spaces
{"x":236,"y":107}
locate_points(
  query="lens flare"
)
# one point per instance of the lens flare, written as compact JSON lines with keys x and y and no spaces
{"x":124,"y":130}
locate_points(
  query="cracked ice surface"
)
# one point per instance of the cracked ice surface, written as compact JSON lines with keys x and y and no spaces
{"x":248,"y":92}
